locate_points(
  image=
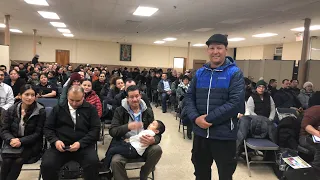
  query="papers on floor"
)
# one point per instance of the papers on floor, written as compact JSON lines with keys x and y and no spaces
{"x":316,"y":139}
{"x":296,"y":162}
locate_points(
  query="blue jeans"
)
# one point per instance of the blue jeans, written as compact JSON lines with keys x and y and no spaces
{"x":164,"y":97}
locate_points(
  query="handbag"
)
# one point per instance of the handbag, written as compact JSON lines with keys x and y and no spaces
{"x":9,"y":151}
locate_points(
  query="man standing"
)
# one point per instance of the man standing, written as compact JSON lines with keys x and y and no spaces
{"x":284,"y":98}
{"x":164,"y":88}
{"x":6,"y":93}
{"x":72,"y":129}
{"x":215,"y":97}
{"x":131,"y":118}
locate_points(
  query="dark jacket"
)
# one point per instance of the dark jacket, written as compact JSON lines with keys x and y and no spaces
{"x":285,"y":99}
{"x":272,"y":91}
{"x":59,"y":125}
{"x":104,"y":91}
{"x":62,"y":78}
{"x":53,"y":80}
{"x":262,"y":107}
{"x":123,"y":94}
{"x":16,"y":87}
{"x":111,"y":95}
{"x":161,"y":86}
{"x":288,"y":132}
{"x":154,"y":83}
{"x":219,"y":93}
{"x":97,"y":86}
{"x":35,"y":60}
{"x":33,"y":134}
{"x":119,"y":124}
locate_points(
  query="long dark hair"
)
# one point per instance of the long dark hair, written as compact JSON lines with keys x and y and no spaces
{"x":31,"y":108}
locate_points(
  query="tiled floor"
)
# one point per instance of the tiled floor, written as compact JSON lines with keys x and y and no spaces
{"x":175,"y":163}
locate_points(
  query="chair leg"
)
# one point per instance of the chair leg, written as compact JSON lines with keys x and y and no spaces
{"x":247,"y":158}
{"x":183,"y":131}
{"x":103,"y":126}
{"x":152,"y":174}
{"x":179,"y":125}
{"x":40,"y":175}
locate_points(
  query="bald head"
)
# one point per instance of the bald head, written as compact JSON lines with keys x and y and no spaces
{"x":75,"y":96}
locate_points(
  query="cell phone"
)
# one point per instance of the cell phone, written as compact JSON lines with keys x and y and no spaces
{"x":66,"y":148}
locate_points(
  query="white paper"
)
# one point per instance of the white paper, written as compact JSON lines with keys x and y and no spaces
{"x":296,"y":162}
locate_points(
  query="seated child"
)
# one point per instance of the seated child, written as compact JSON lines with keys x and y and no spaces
{"x":132,"y":148}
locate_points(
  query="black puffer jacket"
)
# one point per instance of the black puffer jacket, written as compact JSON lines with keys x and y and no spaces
{"x":288,"y":132}
{"x":33,"y":133}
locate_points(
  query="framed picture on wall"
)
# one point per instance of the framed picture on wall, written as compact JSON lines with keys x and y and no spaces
{"x":125,"y":52}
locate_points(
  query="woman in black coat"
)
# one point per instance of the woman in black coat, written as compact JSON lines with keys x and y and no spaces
{"x":22,"y":128}
{"x":99,"y":84}
{"x":15,"y":82}
{"x":116,"y":87}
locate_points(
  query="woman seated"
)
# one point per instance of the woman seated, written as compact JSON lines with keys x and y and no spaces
{"x":52,"y":77}
{"x":46,"y":89}
{"x":15,"y":82}
{"x":75,"y":79}
{"x":116,"y":87}
{"x":305,"y":94}
{"x":91,"y":96}
{"x":310,"y":126}
{"x":22,"y":129}
{"x":260,"y":102}
{"x":98,"y":85}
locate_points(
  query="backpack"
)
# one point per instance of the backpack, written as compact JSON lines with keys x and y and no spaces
{"x":71,"y":170}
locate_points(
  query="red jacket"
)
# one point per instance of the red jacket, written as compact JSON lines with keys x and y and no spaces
{"x":92,"y":98}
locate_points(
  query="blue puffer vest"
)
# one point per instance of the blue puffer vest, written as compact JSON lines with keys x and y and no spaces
{"x":219,"y":93}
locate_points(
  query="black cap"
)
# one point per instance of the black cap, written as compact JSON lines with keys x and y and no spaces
{"x":218,"y":38}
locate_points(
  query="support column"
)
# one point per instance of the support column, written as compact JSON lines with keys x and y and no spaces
{"x":34,"y":42}
{"x":304,"y":54}
{"x":7,"y":30}
{"x":188,"y":57}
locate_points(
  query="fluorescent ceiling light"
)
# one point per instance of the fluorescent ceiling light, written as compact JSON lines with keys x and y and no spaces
{"x":68,"y":35}
{"x":236,"y":39}
{"x":58,"y":24}
{"x":199,"y":45}
{"x":203,"y":29}
{"x":159,"y":42}
{"x":312,"y":28}
{"x":49,"y":15}
{"x":265,"y":35}
{"x":37,"y":2}
{"x":15,"y":31}
{"x":64,"y":30}
{"x":145,"y":11}
{"x":170,"y":39}
{"x":2,"y":25}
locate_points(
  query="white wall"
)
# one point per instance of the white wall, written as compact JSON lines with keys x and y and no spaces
{"x":100,"y":52}
{"x":292,"y":51}
{"x":4,"y":56}
{"x":268,"y":51}
{"x":315,"y":48}
{"x":252,"y":52}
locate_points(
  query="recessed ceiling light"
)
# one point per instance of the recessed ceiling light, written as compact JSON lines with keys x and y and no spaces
{"x":64,"y":30}
{"x":199,"y":45}
{"x":15,"y":31}
{"x":159,"y":42}
{"x":170,"y":39}
{"x":2,"y":25}
{"x":58,"y":24}
{"x":265,"y":35}
{"x":49,"y":15}
{"x":37,"y":2}
{"x":145,"y":11}
{"x":68,"y":35}
{"x":236,"y":39}
{"x":312,"y":28}
{"x":203,"y":29}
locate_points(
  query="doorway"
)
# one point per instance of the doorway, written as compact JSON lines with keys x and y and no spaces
{"x":179,"y":64}
{"x":197,"y":64}
{"x":63,"y":57}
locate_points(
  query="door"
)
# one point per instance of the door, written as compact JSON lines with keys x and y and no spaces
{"x":63,"y":57}
{"x":198,"y":64}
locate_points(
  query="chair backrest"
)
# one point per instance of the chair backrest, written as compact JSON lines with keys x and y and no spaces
{"x":48,"y":102}
{"x":48,"y":111}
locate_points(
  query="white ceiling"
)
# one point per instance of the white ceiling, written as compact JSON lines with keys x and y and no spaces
{"x":112,"y":20}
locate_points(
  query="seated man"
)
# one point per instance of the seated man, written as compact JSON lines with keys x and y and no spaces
{"x":310,"y":126}
{"x":126,"y":122}
{"x":72,"y":129}
{"x":123,"y":94}
{"x":133,"y":148}
{"x":284,"y":98}
{"x":6,"y":93}
{"x":165,"y":91}
{"x":45,"y":88}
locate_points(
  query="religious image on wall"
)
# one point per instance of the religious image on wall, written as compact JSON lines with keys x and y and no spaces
{"x":125,"y":52}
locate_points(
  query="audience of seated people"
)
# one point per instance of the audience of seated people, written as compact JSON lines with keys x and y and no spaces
{"x":272,"y":87}
{"x":260,"y":102}
{"x":305,"y":93}
{"x":116,"y":87}
{"x":45,"y":88}
{"x":75,"y":79}
{"x":21,"y":131}
{"x":294,"y":87}
{"x":164,"y":89}
{"x":6,"y":93}
{"x":99,"y":84}
{"x":285,"y":98}
{"x":15,"y":82}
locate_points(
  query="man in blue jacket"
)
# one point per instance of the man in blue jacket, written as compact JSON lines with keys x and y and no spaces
{"x":215,"y":97}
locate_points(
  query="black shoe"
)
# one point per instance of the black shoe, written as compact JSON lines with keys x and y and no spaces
{"x":164,"y":111}
{"x":107,"y":176}
{"x":189,"y":135}
{"x":103,"y":169}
